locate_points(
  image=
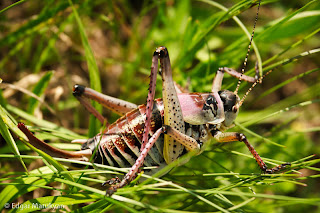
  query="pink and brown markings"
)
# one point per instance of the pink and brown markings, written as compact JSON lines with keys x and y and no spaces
{"x":120,"y":144}
{"x":131,"y":140}
{"x":123,"y":138}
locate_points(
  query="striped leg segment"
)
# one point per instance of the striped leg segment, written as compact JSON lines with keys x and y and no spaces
{"x":190,"y":143}
{"x":139,"y":162}
{"x":234,"y":136}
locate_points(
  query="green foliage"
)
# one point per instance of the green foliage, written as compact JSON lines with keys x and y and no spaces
{"x":108,"y":46}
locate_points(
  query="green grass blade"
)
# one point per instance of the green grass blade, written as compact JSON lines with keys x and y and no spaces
{"x":31,"y":26}
{"x":42,"y":123}
{"x":13,"y":127}
{"x":292,"y":25}
{"x":242,"y":26}
{"x":22,"y":185}
{"x":39,"y":90}
{"x":282,"y":84}
{"x":12,"y":5}
{"x":5,"y":121}
{"x":95,"y":82}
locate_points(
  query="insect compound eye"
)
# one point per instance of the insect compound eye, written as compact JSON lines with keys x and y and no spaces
{"x":210,"y":100}
{"x":234,"y":109}
{"x":229,"y":100}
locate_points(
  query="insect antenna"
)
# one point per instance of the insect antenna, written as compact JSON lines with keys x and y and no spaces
{"x":259,"y":80}
{"x":248,"y":51}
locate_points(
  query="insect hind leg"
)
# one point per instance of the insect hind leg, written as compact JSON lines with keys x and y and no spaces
{"x":146,"y":142}
{"x":116,"y":105}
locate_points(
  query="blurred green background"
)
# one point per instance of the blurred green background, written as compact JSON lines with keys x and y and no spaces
{"x":48,"y":46}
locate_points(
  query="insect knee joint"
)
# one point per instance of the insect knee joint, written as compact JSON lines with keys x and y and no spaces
{"x":162,"y":52}
{"x":165,"y":129}
{"x":78,"y":90}
{"x":241,"y":137}
{"x":220,"y":69}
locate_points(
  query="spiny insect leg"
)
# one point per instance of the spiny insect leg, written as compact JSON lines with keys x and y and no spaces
{"x":146,"y":143}
{"x":139,"y":162}
{"x":116,"y":105}
{"x":150,"y":99}
{"x":238,"y":75}
{"x":112,"y":181}
{"x":234,"y":136}
{"x":84,"y":102}
{"x":217,"y":81}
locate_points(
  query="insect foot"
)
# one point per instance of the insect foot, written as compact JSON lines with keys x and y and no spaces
{"x":111,"y":190}
{"x":119,"y":184}
{"x":112,"y":181}
{"x":262,"y":165}
{"x":279,"y":168}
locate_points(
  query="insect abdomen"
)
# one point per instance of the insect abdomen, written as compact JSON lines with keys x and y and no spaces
{"x":120,"y":145}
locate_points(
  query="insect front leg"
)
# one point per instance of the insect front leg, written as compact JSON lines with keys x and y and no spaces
{"x":234,"y":136}
{"x":190,"y":143}
{"x":238,"y":75}
{"x":216,"y":86}
{"x":116,"y":105}
{"x":217,"y":81}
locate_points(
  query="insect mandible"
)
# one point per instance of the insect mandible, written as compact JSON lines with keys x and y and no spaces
{"x":163,"y":130}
